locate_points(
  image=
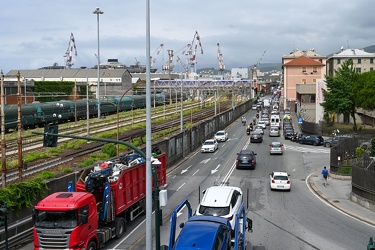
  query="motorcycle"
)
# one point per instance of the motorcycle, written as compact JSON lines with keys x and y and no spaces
{"x":257,"y":115}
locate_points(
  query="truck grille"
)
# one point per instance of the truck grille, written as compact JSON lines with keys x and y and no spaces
{"x":53,"y":239}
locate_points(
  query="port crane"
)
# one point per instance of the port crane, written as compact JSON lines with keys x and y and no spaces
{"x":170,"y":64}
{"x":69,"y":52}
{"x":192,"y":52}
{"x":153,"y":58}
{"x":255,"y":67}
{"x":220,"y":59}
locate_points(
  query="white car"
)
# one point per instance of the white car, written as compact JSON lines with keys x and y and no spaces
{"x":223,"y":201}
{"x":259,"y":129}
{"x":262,"y":123}
{"x":210,"y":145}
{"x":221,"y":135}
{"x":280,"y":181}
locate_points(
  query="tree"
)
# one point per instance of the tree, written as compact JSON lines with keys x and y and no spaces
{"x":364,"y":90}
{"x":339,"y":96}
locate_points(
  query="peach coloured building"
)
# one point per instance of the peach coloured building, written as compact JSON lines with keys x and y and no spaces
{"x":301,"y":67}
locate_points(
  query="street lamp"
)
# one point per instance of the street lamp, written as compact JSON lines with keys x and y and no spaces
{"x":98,"y":12}
{"x":158,"y":217}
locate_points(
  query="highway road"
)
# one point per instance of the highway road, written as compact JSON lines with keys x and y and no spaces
{"x":281,"y":220}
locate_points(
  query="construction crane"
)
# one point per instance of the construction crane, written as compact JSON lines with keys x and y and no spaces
{"x":186,"y":68}
{"x":192,"y":52}
{"x":171,"y":64}
{"x":69,"y":52}
{"x":153,"y":59}
{"x":257,"y":64}
{"x":220,"y":59}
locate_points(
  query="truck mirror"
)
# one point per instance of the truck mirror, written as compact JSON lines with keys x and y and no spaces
{"x":182,"y":225}
{"x":164,"y":247}
{"x":83,"y":218}
{"x":33,"y":216}
{"x":249,"y":225}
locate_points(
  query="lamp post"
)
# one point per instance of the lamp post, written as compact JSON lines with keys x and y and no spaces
{"x":98,"y":12}
{"x":87,"y":107}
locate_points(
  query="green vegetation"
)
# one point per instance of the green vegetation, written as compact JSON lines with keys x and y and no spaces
{"x":22,"y":194}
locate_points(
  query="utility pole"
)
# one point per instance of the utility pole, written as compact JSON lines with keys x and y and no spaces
{"x":19,"y":124}
{"x":3,"y":142}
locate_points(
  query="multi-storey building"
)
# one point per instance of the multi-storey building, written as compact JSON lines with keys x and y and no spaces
{"x":362,"y":60}
{"x":301,"y":67}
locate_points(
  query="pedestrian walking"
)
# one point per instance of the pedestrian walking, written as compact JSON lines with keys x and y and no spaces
{"x":325,"y":174}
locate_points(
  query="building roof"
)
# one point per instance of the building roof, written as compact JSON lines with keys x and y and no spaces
{"x":345,"y":53}
{"x":311,"y":53}
{"x":68,"y":73}
{"x":303,"y":61}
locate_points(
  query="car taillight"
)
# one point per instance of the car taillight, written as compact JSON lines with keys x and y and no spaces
{"x":230,"y":218}
{"x":273,"y":181}
{"x":288,"y":182}
{"x":270,"y":147}
{"x":236,"y":160}
{"x":253,"y":161}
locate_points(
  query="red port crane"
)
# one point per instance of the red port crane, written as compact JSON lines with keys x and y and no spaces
{"x":192,"y":52}
{"x":220,"y":58}
{"x":69,"y":52}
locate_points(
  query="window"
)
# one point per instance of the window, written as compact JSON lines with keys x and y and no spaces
{"x":371,"y":60}
{"x":371,"y":69}
{"x":358,"y":70}
{"x":338,"y":61}
{"x":315,"y":69}
{"x":314,"y":80}
{"x":303,"y":69}
{"x":359,"y":61}
{"x":304,"y":81}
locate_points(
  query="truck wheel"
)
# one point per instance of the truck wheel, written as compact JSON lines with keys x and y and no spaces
{"x":119,"y":227}
{"x":91,"y":246}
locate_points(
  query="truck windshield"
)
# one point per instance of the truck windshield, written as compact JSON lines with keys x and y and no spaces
{"x":216,"y":211}
{"x":56,"y":219}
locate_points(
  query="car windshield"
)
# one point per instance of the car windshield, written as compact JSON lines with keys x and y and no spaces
{"x":244,"y":156}
{"x":208,"y":143}
{"x":275,"y":144}
{"x":220,"y":133}
{"x":216,"y":211}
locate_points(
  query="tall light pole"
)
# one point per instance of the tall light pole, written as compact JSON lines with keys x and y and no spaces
{"x":98,"y":12}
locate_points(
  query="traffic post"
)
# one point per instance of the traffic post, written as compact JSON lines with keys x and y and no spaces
{"x":50,"y":140}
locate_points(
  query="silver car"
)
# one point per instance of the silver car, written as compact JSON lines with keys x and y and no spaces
{"x":274,"y":131}
{"x":276,"y":148}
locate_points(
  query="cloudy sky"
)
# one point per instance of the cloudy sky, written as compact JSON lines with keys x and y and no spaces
{"x":35,"y":33}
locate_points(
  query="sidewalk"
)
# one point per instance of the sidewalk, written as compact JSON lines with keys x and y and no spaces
{"x":337,"y":193}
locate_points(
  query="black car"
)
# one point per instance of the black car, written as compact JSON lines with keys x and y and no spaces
{"x":312,"y":140}
{"x":288,"y":132}
{"x":256,"y":137}
{"x":246,"y":159}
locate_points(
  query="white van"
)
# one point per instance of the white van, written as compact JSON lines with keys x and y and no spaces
{"x":275,"y":121}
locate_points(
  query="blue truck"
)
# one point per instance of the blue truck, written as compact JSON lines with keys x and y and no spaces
{"x":207,"y":231}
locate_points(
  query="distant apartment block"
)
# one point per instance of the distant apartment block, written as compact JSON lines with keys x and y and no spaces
{"x":362,"y":60}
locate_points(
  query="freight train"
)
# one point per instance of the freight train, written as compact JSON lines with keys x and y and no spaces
{"x":39,"y":114}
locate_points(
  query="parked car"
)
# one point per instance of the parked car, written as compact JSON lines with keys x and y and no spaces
{"x":334,"y":141}
{"x":288,"y":132}
{"x":209,"y":145}
{"x":276,"y":148}
{"x":280,"y":180}
{"x":223,"y":201}
{"x":312,"y":140}
{"x":256,"y":137}
{"x":246,"y":159}
{"x":274,"y":131}
{"x":221,"y":135}
{"x":254,"y":106}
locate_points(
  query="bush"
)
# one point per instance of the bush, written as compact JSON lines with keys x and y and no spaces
{"x":110,"y":149}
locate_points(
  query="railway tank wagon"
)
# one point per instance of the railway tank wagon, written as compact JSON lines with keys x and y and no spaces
{"x":28,"y":117}
{"x":51,"y":112}
{"x":126,"y":103}
{"x":108,"y":107}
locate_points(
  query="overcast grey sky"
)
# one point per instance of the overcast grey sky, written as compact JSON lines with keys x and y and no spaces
{"x":35,"y":33}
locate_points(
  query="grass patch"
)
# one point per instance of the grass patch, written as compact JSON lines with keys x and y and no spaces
{"x":45,"y":175}
{"x":344,"y":170}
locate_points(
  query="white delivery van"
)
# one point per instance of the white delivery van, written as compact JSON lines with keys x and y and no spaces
{"x":275,"y":121}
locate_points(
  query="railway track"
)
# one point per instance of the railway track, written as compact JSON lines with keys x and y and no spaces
{"x":71,"y":157}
